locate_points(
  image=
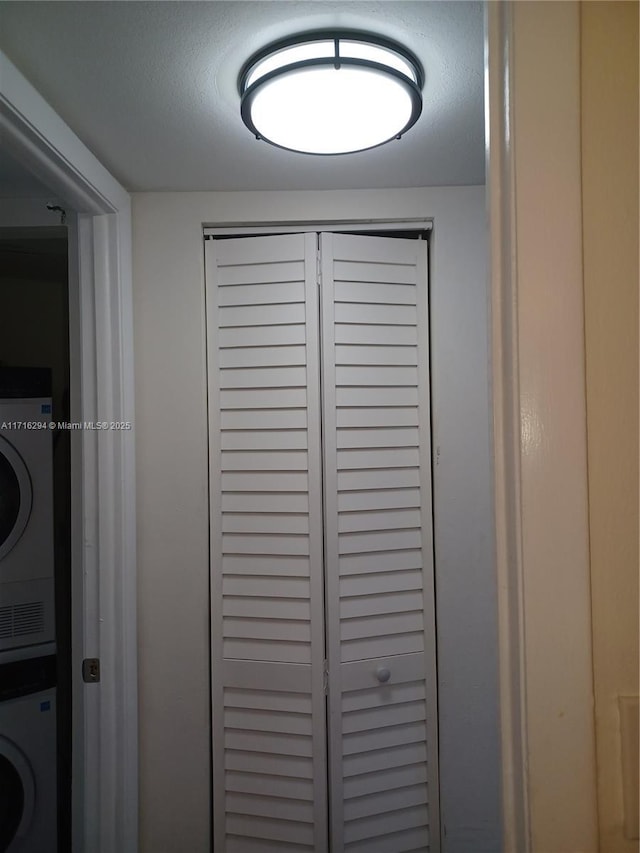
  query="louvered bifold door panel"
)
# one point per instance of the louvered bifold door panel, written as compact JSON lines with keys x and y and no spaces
{"x":269,"y":746}
{"x":378,"y":545}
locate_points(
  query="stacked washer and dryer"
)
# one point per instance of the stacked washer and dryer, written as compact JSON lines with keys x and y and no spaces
{"x":28,"y":731}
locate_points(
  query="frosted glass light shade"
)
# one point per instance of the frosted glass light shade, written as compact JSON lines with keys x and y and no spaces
{"x":330,"y":93}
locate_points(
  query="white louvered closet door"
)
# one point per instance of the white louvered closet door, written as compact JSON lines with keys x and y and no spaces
{"x":378,"y":551}
{"x":268,"y":704}
{"x":295,"y":578}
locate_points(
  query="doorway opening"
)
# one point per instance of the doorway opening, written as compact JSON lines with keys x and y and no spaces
{"x":34,"y":330}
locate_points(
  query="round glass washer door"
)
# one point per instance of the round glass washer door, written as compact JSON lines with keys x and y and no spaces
{"x":18,"y":793}
{"x":16,"y":497}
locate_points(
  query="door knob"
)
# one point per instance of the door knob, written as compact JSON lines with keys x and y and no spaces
{"x":383,"y":674}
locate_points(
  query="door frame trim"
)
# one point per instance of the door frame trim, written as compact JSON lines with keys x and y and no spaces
{"x":358,"y":225}
{"x":539,"y":428}
{"x":105,"y":765}
{"x":501,"y":201}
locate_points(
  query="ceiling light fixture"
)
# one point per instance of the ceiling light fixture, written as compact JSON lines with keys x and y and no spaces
{"x":331,"y":92}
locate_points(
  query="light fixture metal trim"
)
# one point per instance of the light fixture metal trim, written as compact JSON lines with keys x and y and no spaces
{"x":254,"y":82}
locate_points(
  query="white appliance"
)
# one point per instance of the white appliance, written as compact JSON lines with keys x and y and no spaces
{"x":26,"y":509}
{"x":28,"y":775}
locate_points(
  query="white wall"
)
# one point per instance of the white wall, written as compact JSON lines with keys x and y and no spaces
{"x":171,"y":440}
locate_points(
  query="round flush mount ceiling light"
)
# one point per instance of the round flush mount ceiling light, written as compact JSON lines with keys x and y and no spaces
{"x":331,"y":92}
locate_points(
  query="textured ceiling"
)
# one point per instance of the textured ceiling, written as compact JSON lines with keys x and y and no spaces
{"x":151,"y":89}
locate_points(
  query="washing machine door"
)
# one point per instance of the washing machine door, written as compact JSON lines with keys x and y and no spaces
{"x":15,"y":497}
{"x":18,"y":794}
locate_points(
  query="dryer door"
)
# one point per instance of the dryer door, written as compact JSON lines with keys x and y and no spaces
{"x":18,"y":794}
{"x":15,"y":496}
